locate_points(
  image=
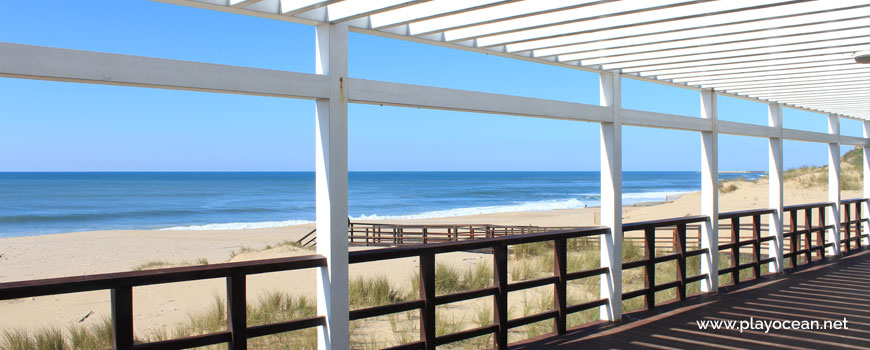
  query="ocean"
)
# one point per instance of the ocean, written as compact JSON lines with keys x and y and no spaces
{"x":46,"y":203}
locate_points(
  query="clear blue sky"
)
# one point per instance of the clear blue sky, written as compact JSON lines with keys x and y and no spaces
{"x":52,"y":126}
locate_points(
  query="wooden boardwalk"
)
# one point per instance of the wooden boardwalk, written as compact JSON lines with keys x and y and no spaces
{"x":823,"y":291}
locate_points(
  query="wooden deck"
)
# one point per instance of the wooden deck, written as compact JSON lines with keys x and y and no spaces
{"x":830,"y":290}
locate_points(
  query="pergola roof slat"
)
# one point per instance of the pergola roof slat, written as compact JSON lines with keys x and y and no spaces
{"x":795,"y":52}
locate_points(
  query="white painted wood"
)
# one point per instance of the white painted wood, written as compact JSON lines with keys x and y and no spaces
{"x":331,"y":188}
{"x":105,"y":68}
{"x":710,"y":193}
{"x":663,"y":120}
{"x":397,"y":94}
{"x":46,"y":63}
{"x":854,"y":141}
{"x":808,"y":136}
{"x":672,"y":42}
{"x":775,"y":188}
{"x":865,"y":207}
{"x":745,"y":129}
{"x":833,"y":213}
{"x":611,"y":198}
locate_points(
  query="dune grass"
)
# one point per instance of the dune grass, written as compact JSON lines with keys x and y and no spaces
{"x":526,"y":261}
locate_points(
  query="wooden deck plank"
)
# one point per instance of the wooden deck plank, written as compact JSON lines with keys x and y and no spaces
{"x":811,"y":295}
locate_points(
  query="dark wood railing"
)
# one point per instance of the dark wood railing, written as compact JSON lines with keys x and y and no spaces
{"x":121,"y":286}
{"x":237,"y":333}
{"x":736,"y":243}
{"x":800,"y":238}
{"x":376,"y":234}
{"x":499,"y":290}
{"x":650,"y":259}
{"x":852,"y":214}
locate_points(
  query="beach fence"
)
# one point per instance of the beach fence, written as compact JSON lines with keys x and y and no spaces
{"x":805,"y":243}
{"x":382,"y":234}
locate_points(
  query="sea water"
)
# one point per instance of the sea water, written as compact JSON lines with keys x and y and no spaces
{"x":45,"y":203}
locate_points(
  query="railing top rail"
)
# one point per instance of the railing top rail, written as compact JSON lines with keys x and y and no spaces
{"x":460,"y":225}
{"x":741,"y":213}
{"x":854,"y":200}
{"x":417,"y":249}
{"x":642,"y":225}
{"x":807,"y":206}
{"x":75,"y":284}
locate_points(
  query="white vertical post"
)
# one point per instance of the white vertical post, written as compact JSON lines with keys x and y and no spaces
{"x":775,"y":191}
{"x":865,"y":211}
{"x":331,"y":189}
{"x":710,"y":193}
{"x":611,"y":198}
{"x":834,"y":185}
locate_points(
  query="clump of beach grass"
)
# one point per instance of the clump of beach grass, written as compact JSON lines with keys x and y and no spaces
{"x":376,"y":291}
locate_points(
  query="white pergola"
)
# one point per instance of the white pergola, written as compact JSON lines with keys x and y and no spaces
{"x":785,"y":53}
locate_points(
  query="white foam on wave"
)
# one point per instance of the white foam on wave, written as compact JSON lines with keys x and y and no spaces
{"x":572,"y":203}
{"x":238,"y":225}
{"x":638,"y":197}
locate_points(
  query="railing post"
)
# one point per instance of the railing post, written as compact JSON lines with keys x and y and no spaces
{"x":681,"y":262}
{"x":611,"y":197}
{"x":122,"y":318}
{"x":649,"y":236}
{"x":848,"y":228}
{"x":794,"y":237}
{"x":500,"y":266}
{"x":834,"y":184}
{"x":808,"y":235}
{"x":821,"y":234}
{"x":237,"y":318}
{"x":859,"y":224}
{"x":735,"y":251}
{"x":865,"y":208}
{"x":710,"y":193}
{"x":756,"y":244}
{"x":427,"y":293}
{"x":560,"y":292}
{"x":331,"y":187}
{"x":775,"y":191}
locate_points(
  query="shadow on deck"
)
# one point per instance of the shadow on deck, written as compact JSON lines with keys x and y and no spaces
{"x":832,"y":290}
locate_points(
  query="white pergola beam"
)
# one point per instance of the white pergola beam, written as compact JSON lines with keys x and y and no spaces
{"x":430,"y":10}
{"x":729,"y":42}
{"x":763,"y":78}
{"x":644,"y":12}
{"x":638,"y":37}
{"x":663,"y":120}
{"x":865,"y":207}
{"x":710,"y":193}
{"x":723,"y":49}
{"x":806,"y":85}
{"x":637,"y":67}
{"x":780,"y":15}
{"x":785,"y":68}
{"x":833,"y":234}
{"x":808,"y":136}
{"x":45,"y":63}
{"x":532,"y":27}
{"x":397,"y":94}
{"x":500,"y":13}
{"x":331,"y":188}
{"x":818,"y":88}
{"x":775,"y":188}
{"x":745,"y":129}
{"x":854,"y":141}
{"x":611,"y":197}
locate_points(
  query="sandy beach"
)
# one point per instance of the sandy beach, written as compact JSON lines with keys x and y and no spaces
{"x":162,"y":306}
